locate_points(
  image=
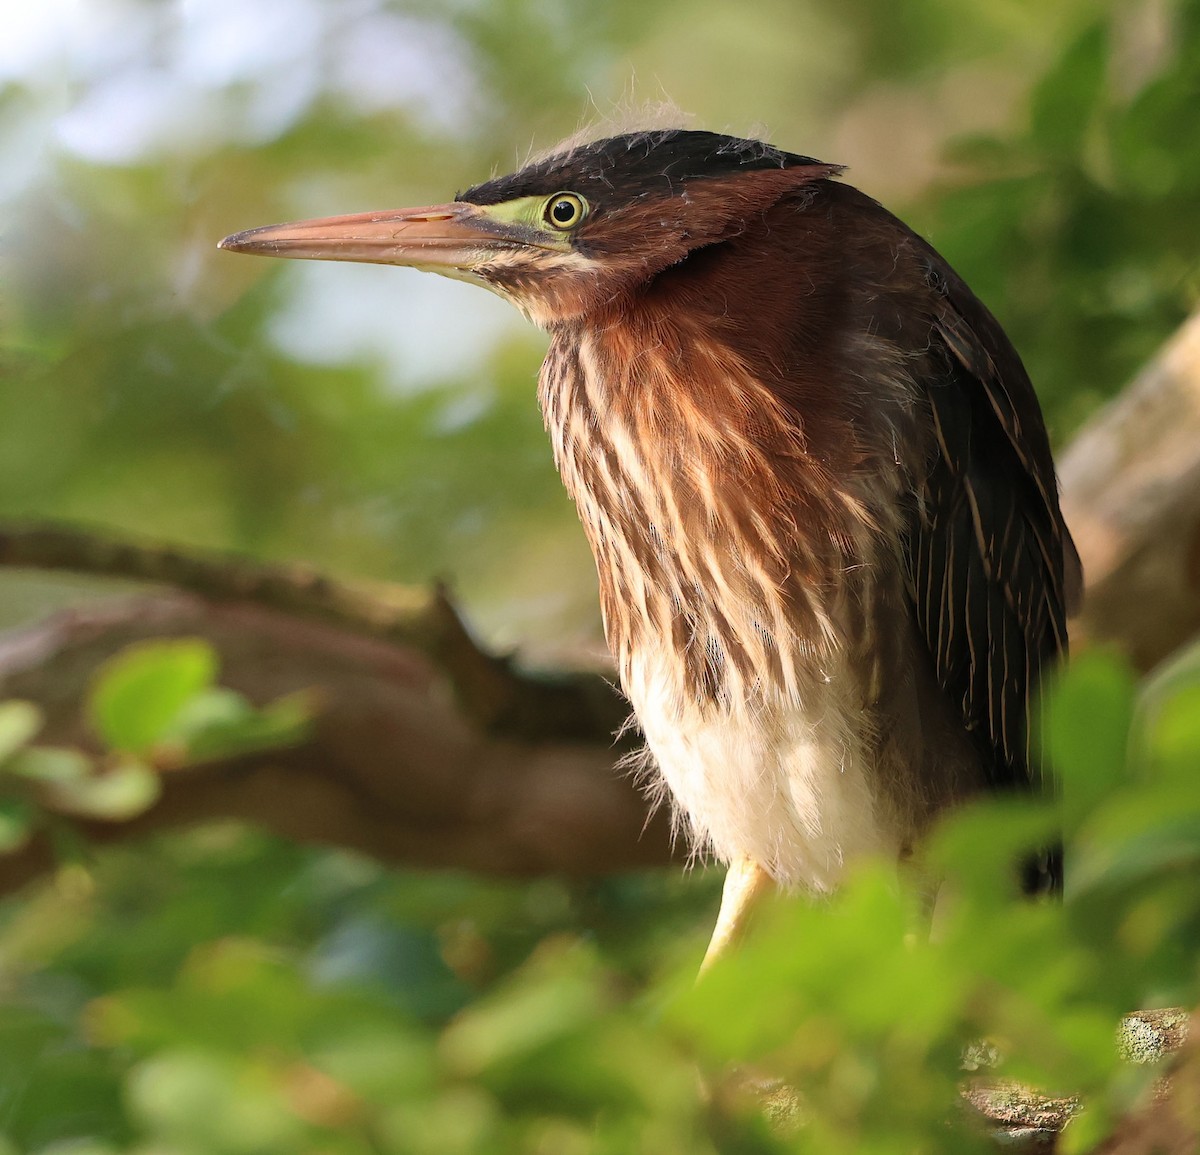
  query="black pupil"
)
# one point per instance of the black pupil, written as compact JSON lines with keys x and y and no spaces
{"x":563,"y":211}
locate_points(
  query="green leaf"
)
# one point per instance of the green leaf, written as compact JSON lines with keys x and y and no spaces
{"x":116,"y":794}
{"x":50,"y":764}
{"x":550,"y":999}
{"x":1174,"y":739}
{"x":378,"y":1060}
{"x":1139,"y":833}
{"x":213,"y":709}
{"x":19,"y":722}
{"x":1086,"y":728}
{"x":1088,"y":1129}
{"x":16,"y":824}
{"x":1067,"y":98}
{"x":194,"y":1100}
{"x":219,"y":728}
{"x":981,"y":845}
{"x":219,"y":723}
{"x":141,"y":692}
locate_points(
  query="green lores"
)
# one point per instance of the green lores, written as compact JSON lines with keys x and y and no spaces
{"x":554,"y":217}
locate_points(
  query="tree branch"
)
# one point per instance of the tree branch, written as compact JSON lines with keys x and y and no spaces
{"x":493,"y":695}
{"x":394,"y":769}
{"x":1131,"y":495}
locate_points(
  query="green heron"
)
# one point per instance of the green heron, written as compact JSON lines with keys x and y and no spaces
{"x":812,"y":470}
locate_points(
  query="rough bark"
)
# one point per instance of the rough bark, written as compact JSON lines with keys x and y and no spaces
{"x":1167,"y":1121}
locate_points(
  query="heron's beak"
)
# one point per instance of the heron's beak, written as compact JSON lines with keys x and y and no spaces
{"x":442,"y":238}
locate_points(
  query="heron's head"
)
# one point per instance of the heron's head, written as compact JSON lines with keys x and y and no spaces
{"x":573,"y":231}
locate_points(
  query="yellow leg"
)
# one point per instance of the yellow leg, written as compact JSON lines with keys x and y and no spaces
{"x":745,"y":884}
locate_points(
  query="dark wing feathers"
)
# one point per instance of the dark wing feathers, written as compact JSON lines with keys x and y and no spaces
{"x":992,"y":566}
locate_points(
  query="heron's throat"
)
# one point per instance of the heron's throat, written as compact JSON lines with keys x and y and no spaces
{"x":719,"y":539}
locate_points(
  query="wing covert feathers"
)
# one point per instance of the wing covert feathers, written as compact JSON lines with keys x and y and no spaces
{"x":993,"y":569}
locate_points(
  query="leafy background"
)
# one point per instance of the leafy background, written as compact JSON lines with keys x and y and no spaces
{"x":223,"y":991}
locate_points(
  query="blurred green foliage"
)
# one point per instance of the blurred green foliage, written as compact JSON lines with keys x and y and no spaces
{"x":250,"y":996}
{"x":154,"y":707}
{"x":160,"y":700}
{"x":1081,"y":232}
{"x":220,"y":991}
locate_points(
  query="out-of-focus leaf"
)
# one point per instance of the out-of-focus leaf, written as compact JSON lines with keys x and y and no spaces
{"x":1145,"y":831}
{"x":1088,"y":1129}
{"x":981,"y":846}
{"x":140,"y":693}
{"x":16,"y":824}
{"x":203,"y":1102}
{"x":50,"y":764}
{"x":19,"y":724}
{"x":1067,"y":98}
{"x":381,"y":1063}
{"x":1086,"y":728}
{"x":1174,"y":739}
{"x":219,"y":723}
{"x":463,"y":1120}
{"x":117,"y":793}
{"x":213,"y":709}
{"x":548,"y":1002}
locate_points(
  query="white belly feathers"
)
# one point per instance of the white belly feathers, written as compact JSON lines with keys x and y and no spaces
{"x":786,"y":783}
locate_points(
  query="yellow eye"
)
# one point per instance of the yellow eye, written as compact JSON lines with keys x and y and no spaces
{"x":565,"y":210}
